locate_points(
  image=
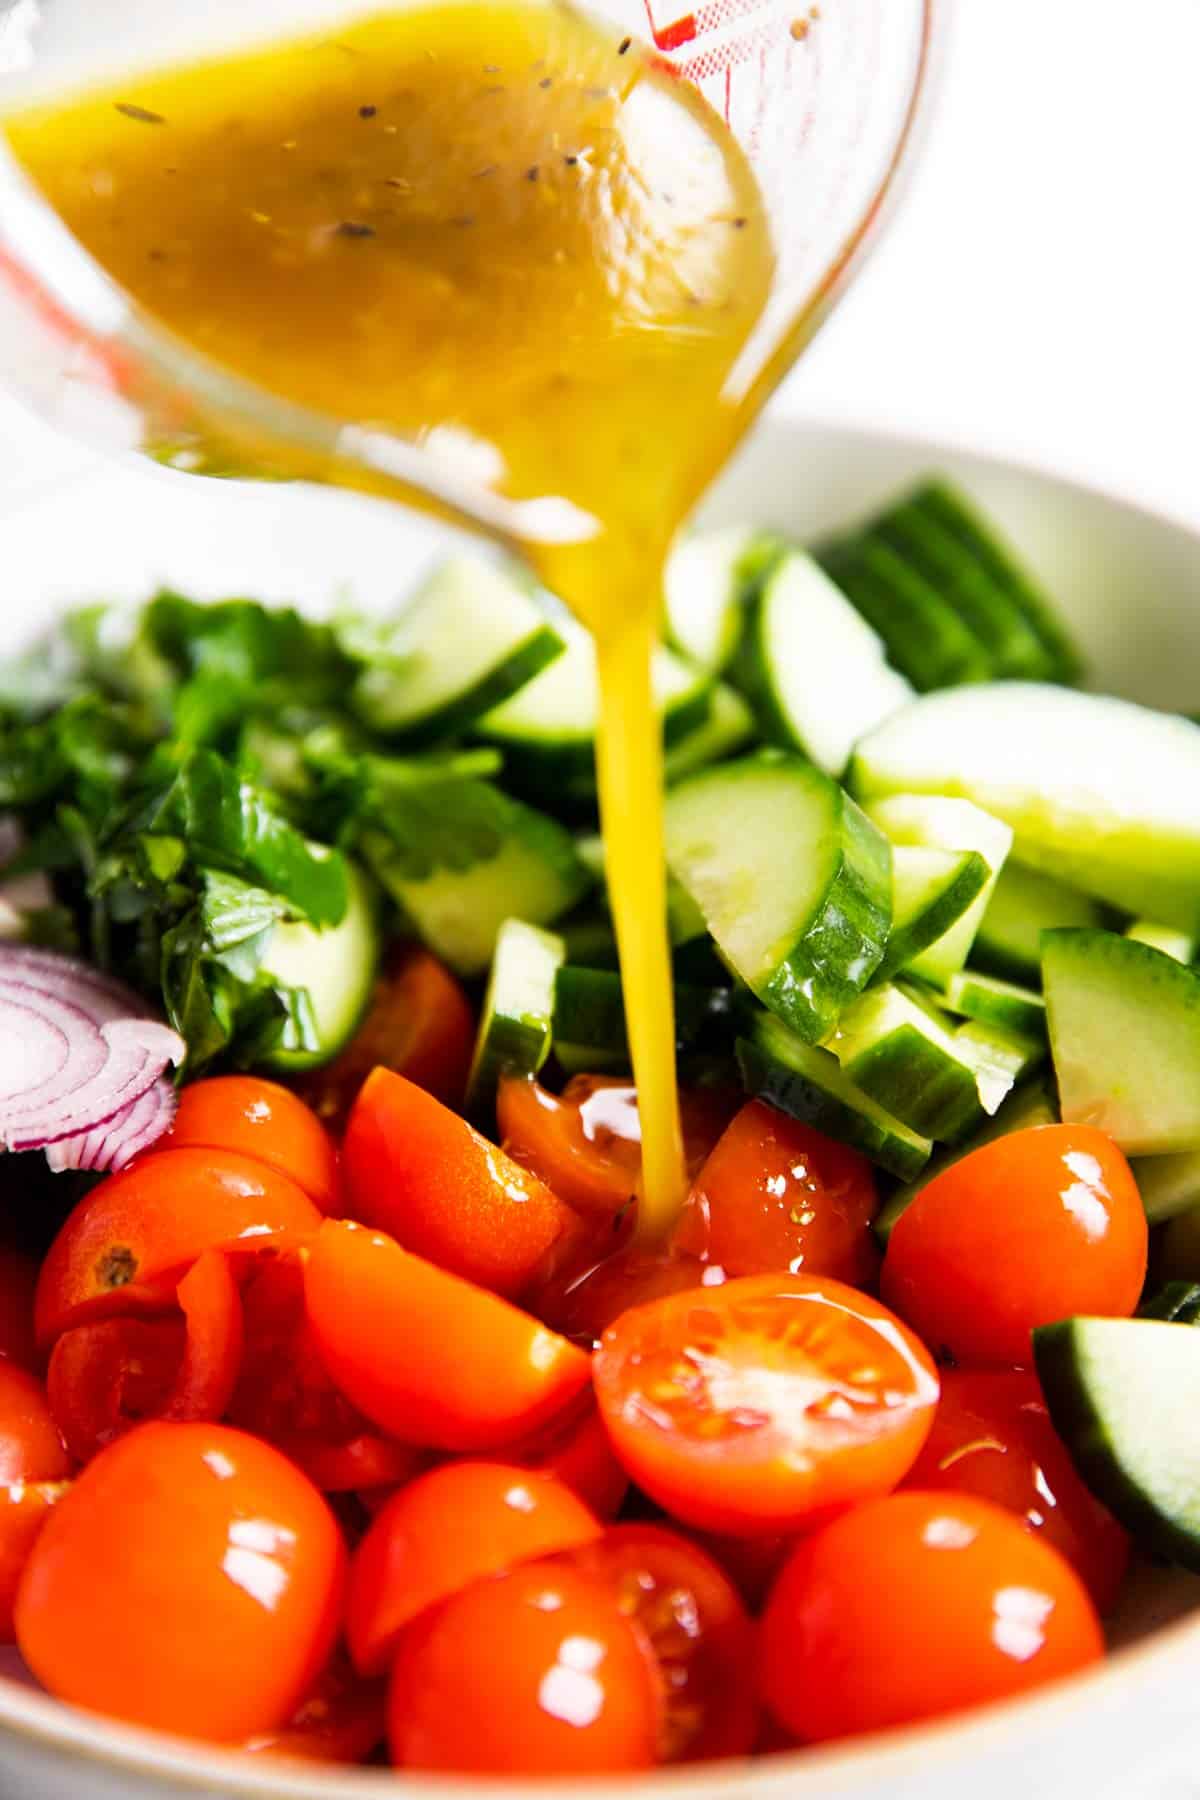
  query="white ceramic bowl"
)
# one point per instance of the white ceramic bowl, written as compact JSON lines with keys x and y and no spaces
{"x":1129,"y":584}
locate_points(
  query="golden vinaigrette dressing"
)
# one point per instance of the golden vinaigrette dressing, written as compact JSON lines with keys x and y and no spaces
{"x":498,"y":221}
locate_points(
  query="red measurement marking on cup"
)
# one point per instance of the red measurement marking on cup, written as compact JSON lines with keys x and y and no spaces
{"x":707,"y":44}
{"x":98,"y":362}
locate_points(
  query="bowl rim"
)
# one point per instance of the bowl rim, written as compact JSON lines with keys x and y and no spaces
{"x":186,"y":1766}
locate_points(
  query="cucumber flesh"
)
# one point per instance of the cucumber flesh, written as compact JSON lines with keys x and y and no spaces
{"x":931,"y":891}
{"x":534,"y":874}
{"x":335,"y":966}
{"x":1003,"y":1004}
{"x":473,"y":635}
{"x":1023,"y":904}
{"x":1179,"y":944}
{"x":518,"y":1010}
{"x":933,"y":822}
{"x":1024,"y":1109}
{"x":728,"y":727}
{"x":705,"y":584}
{"x":924,"y":637}
{"x":897,"y":1052}
{"x":810,"y":1084}
{"x":1118,"y":1392}
{"x":552,"y":720}
{"x":1124,"y":1026}
{"x":1000,"y":1059}
{"x":793,"y":882}
{"x":1169,"y":1185}
{"x":813,"y":667}
{"x":1099,"y":792}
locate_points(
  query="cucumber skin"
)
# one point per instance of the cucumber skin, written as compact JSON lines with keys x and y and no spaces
{"x":802,"y":1099}
{"x":933,"y":647}
{"x":905,"y":945}
{"x":945,"y":1107}
{"x":1056,"y":1360}
{"x":809,"y":990}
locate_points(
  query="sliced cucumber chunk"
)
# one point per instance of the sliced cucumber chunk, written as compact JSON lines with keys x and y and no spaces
{"x":951,"y":508}
{"x":793,"y":881}
{"x":984,"y":604}
{"x":924,"y":637}
{"x":1000,"y":1059}
{"x":813,"y":667}
{"x":1179,"y":944}
{"x":1178,"y":1303}
{"x":728,"y":727}
{"x":811,"y":1085}
{"x":1024,"y":1108}
{"x":1100,"y":793}
{"x":685,"y":921}
{"x":471,"y":636}
{"x":1011,"y":1008}
{"x":1125,"y":1037}
{"x":590,"y":939}
{"x":532,"y":873}
{"x":706,"y":582}
{"x":931,"y":891}
{"x":1023,"y":904}
{"x":1119,"y":1392}
{"x":897,"y":1052}
{"x":1169,"y":1185}
{"x":550,"y":725}
{"x":589,"y":1017}
{"x":335,"y":966}
{"x":931,"y":822}
{"x":518,"y":1010}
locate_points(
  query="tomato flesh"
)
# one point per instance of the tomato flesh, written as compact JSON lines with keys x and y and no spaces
{"x":765,"y":1405}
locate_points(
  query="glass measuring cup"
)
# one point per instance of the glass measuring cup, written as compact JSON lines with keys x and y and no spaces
{"x":822,"y":97}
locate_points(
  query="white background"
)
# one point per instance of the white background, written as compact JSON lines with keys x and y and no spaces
{"x":1038,"y":292}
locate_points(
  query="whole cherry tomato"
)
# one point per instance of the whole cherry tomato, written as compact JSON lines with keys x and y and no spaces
{"x":992,"y":1437}
{"x":535,"y":1672}
{"x":24,"y":1508}
{"x":699,"y":1631}
{"x":126,"y":1245}
{"x":107,"y":1377}
{"x":284,"y":1393}
{"x":419,"y":1172}
{"x":776,"y":1195}
{"x":261,"y":1119}
{"x":765,"y":1405}
{"x":191,"y":1580}
{"x":430,"y":1358}
{"x":445,"y":1530}
{"x":916,"y":1605}
{"x":1034,"y":1227}
{"x":419,"y":1024}
{"x":31,"y":1448}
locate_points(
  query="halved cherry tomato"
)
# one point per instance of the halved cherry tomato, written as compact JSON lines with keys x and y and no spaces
{"x":1034,"y":1227}
{"x":191,"y":1580}
{"x":992,"y":1437}
{"x":30,"y":1446}
{"x":576,"y":1448}
{"x":535,"y":1672}
{"x":584,"y":1303}
{"x":127,"y":1244}
{"x":917,"y":1605}
{"x":419,"y":1023}
{"x":775,"y":1195}
{"x":284,"y":1393}
{"x":18,"y":1285}
{"x":586,"y":1143}
{"x":107,"y":1377}
{"x":419,"y":1172}
{"x":342,"y":1721}
{"x":699,"y":1631}
{"x":262,"y":1119}
{"x":24,"y":1508}
{"x":430,"y":1358}
{"x":765,"y":1405}
{"x":444,"y":1531}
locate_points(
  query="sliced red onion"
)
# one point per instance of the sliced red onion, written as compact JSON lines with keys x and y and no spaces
{"x":76,"y":1048}
{"x":107,"y":1148}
